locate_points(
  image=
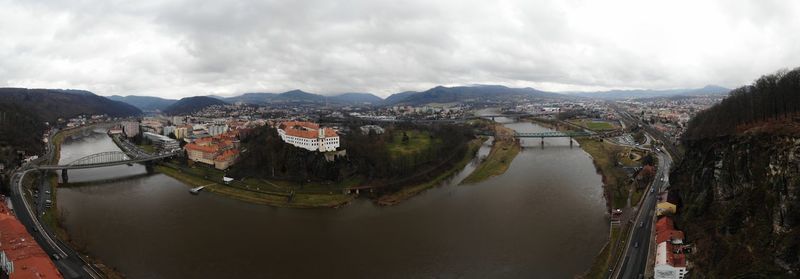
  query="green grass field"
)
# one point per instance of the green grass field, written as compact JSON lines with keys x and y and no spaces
{"x":593,"y":125}
{"x":496,"y":163}
{"x":417,"y":142}
{"x":615,"y":179}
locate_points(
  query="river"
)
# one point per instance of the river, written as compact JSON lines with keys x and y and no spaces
{"x":544,"y":218}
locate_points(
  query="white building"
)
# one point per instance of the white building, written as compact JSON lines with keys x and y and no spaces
{"x":217,"y":129}
{"x":162,"y":143}
{"x":168,"y":130}
{"x":309,"y":136}
{"x":669,"y":265}
{"x":177,"y":120}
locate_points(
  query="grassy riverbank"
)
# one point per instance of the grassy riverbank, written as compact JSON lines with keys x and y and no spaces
{"x":504,"y":149}
{"x":410,"y":191}
{"x":615,"y":180}
{"x":257,"y":191}
{"x":615,"y":190}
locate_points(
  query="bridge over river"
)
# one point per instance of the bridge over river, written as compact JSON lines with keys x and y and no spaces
{"x":104,"y":159}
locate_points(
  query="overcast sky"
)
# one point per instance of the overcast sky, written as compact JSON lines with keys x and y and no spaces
{"x":182,"y":48}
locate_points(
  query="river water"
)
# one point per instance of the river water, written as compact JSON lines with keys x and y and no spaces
{"x":543,"y":218}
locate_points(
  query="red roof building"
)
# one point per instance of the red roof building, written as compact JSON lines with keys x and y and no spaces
{"x":214,"y":150}
{"x":20,"y":256}
{"x":309,"y":135}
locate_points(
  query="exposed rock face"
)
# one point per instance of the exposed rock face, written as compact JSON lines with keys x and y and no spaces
{"x":741,"y":205}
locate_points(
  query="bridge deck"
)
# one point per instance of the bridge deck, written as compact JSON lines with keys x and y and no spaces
{"x":552,"y":135}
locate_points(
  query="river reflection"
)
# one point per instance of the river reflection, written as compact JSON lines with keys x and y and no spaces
{"x":543,"y":218}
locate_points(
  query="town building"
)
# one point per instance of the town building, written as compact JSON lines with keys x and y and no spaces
{"x":130,"y":128}
{"x":182,"y":131}
{"x":177,"y":120}
{"x":217,"y":129}
{"x":162,"y":143}
{"x":670,"y":260}
{"x":20,"y":255}
{"x":669,"y":264}
{"x":309,"y":136}
{"x":168,"y":130}
{"x":220,"y":151}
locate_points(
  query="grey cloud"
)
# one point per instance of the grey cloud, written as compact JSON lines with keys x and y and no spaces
{"x":181,"y":48}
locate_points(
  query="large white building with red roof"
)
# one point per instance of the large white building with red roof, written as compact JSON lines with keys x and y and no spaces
{"x":670,"y":261}
{"x":309,"y":136}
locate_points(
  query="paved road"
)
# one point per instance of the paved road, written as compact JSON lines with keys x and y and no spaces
{"x":637,"y":249}
{"x":66,"y":260}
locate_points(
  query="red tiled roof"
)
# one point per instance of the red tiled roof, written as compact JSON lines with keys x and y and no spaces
{"x":668,"y":235}
{"x":227,"y":155}
{"x":30,"y":261}
{"x":675,"y":259}
{"x":664,"y":224}
{"x":307,"y":130}
{"x":202,"y":148}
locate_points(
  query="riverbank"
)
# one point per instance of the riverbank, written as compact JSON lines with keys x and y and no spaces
{"x":255,"y":194}
{"x":504,"y":149}
{"x":54,"y":218}
{"x":410,"y":191}
{"x":313,"y":194}
{"x":614,"y":190}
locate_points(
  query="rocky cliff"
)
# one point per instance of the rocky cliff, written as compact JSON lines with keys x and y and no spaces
{"x":741,"y":203}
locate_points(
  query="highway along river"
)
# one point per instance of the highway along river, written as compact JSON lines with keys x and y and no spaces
{"x":544,"y":218}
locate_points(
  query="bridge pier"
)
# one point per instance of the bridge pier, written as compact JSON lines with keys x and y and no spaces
{"x":149,"y":167}
{"x":64,"y":176}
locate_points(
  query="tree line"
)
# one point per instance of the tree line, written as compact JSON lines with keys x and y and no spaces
{"x":770,"y":97}
{"x":368,"y":156}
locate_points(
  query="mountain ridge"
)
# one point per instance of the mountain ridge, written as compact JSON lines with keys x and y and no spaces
{"x":190,"y":105}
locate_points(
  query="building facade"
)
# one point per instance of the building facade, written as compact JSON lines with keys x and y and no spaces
{"x":130,"y":128}
{"x":162,"y":143}
{"x":220,"y":151}
{"x":309,"y":136}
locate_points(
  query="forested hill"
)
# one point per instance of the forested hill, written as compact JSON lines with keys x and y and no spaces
{"x":739,"y":182}
{"x":49,"y":104}
{"x":144,"y":102}
{"x":192,"y":104}
{"x":771,"y":96}
{"x":24,"y":111}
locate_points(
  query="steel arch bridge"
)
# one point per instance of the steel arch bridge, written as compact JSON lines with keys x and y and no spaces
{"x":100,"y":158}
{"x":105,"y":159}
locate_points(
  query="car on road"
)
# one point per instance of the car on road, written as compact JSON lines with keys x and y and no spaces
{"x":641,"y":224}
{"x":636,"y":245}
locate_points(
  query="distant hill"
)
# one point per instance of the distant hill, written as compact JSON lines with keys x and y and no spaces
{"x":646,"y":93}
{"x":145,"y":103}
{"x":50,"y":104}
{"x":477,"y":93}
{"x":250,"y":98}
{"x":299,"y":96}
{"x":24,"y":111}
{"x":357,"y":98}
{"x":192,"y":104}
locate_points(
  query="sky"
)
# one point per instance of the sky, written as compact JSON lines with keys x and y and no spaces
{"x":176,"y":49}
